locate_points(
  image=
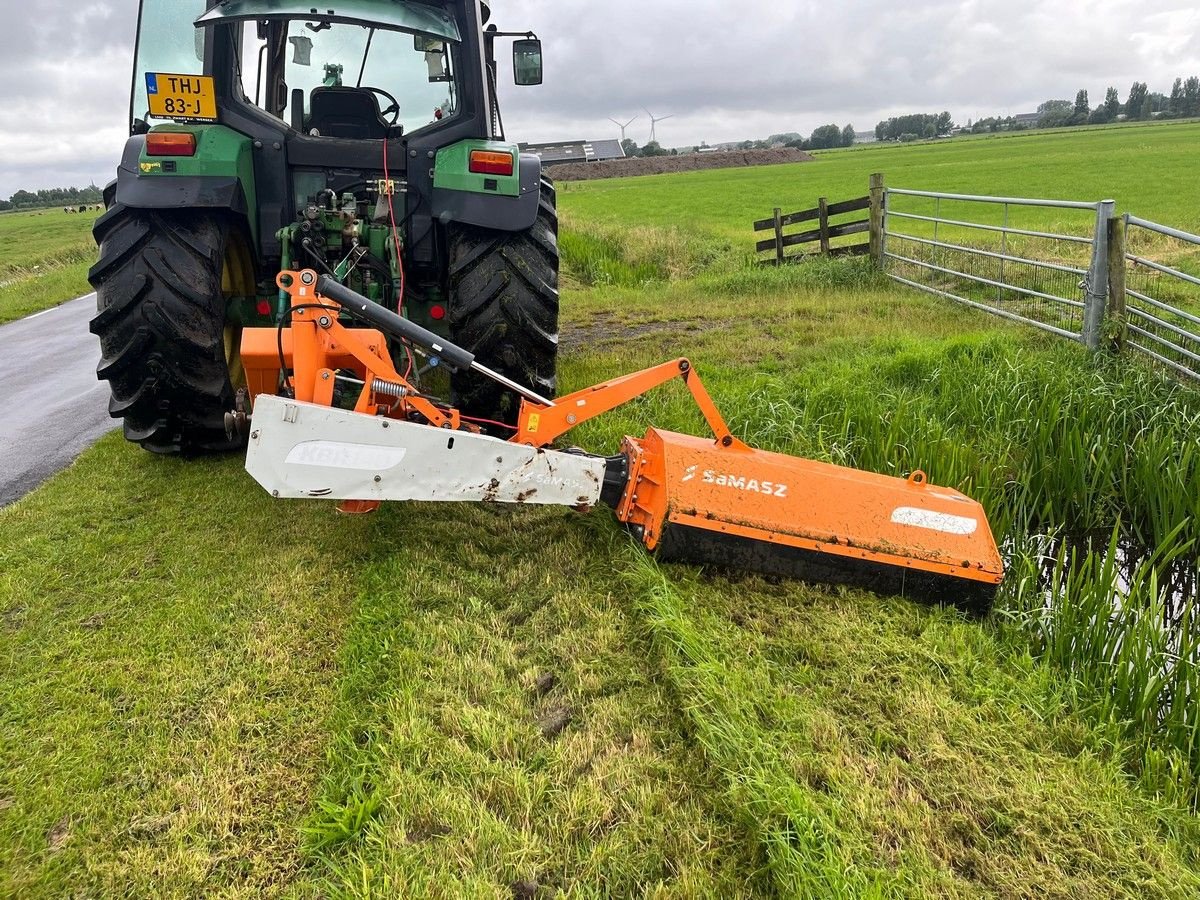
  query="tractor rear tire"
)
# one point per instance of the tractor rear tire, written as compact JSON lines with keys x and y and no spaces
{"x":504,"y":309}
{"x":161,"y":323}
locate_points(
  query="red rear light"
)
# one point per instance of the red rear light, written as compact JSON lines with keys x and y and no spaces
{"x":437,"y":312}
{"x":491,"y":162}
{"x":170,"y":143}
{"x":263,"y":308}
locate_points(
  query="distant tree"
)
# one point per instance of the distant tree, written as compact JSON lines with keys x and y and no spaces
{"x":917,"y":123}
{"x":1138,"y":95}
{"x":629,"y":145}
{"x":5,"y":205}
{"x":1055,"y":113}
{"x":825,"y":137}
{"x":779,"y":140}
{"x":1112,"y":103}
{"x":1082,"y":108}
{"x":1191,"y":96}
{"x":1175,"y":103}
{"x":848,"y":136}
{"x":1147,"y":111}
{"x":800,"y":144}
{"x":1099,"y":116}
{"x":654,"y":148}
{"x":23,"y":198}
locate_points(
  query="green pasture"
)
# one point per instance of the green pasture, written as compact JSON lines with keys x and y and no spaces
{"x":44,"y":258}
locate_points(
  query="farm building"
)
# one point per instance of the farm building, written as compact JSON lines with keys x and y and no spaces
{"x":575,"y":151}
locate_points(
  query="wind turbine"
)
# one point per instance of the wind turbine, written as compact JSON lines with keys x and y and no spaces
{"x":654,"y":122}
{"x":623,"y":127}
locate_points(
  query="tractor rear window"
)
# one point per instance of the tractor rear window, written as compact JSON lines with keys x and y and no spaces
{"x":347,"y":80}
{"x":167,"y":42}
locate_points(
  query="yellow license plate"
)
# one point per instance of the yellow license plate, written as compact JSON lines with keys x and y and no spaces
{"x":185,"y":98}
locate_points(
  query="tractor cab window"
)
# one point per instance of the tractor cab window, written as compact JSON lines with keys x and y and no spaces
{"x":167,"y":42}
{"x":348,"y":80}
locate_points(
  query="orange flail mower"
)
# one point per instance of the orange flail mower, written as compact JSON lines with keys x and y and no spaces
{"x":705,"y":500}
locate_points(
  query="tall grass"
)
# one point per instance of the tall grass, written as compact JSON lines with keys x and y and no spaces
{"x":1130,"y":641}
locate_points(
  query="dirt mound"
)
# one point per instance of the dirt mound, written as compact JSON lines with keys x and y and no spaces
{"x":691,"y":162}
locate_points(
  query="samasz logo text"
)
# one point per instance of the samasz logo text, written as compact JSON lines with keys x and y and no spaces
{"x":737,"y":482}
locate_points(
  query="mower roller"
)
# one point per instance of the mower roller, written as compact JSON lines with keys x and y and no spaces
{"x":333,"y":418}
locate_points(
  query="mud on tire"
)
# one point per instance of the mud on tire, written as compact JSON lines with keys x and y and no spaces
{"x":504,"y":309}
{"x":161,"y":324}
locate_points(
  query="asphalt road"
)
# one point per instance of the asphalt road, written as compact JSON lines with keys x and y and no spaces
{"x":52,"y":407}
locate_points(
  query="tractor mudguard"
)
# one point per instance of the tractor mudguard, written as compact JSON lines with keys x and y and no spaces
{"x":219,"y":175}
{"x":496,"y":211}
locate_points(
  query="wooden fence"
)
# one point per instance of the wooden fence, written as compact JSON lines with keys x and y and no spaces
{"x":825,"y":232}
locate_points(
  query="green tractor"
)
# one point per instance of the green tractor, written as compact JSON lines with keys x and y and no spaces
{"x":360,"y":138}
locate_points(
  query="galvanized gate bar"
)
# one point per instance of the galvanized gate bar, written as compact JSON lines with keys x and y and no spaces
{"x":1004,"y":314}
{"x":1073,"y":238}
{"x":1183,"y":351}
{"x":1070,"y":270}
{"x":1131,"y":219}
{"x":1165,"y":307}
{"x":988,"y":281}
{"x":1159,"y":267}
{"x":1182,"y":344}
{"x":981,"y":198}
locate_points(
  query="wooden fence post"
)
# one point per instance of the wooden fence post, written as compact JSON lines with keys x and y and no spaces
{"x":1116,"y":281}
{"x":778,"y":236}
{"x":823,"y":207}
{"x":877,"y":219}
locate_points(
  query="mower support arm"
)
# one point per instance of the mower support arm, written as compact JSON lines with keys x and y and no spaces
{"x":539,"y":426}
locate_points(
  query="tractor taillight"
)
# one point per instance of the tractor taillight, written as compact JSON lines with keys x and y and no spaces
{"x":491,"y":162}
{"x":170,"y":143}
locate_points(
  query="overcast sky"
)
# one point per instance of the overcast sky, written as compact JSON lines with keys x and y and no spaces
{"x":724,"y":70}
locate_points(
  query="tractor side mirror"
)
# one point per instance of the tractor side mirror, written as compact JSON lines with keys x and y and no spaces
{"x":527,"y":61}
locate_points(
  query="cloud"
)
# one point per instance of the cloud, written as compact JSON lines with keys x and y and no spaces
{"x":723,"y":71}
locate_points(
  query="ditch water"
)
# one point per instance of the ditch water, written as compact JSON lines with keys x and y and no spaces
{"x":1130,"y":564}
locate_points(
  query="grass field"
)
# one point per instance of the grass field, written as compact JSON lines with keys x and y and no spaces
{"x":44,"y":258}
{"x":210,"y":692}
{"x":1143,"y":168}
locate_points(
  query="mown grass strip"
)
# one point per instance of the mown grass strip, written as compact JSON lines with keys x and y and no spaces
{"x":720,"y":697}
{"x":877,"y":749}
{"x":498,"y":726}
{"x":166,"y":639}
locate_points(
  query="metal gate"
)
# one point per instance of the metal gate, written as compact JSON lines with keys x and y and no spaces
{"x":1041,"y":262}
{"x":1162,"y":302}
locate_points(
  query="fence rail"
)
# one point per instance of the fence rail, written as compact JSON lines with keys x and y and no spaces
{"x":1069,"y":267}
{"x":824,"y":233}
{"x":986,"y":255}
{"x":1150,"y":296}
